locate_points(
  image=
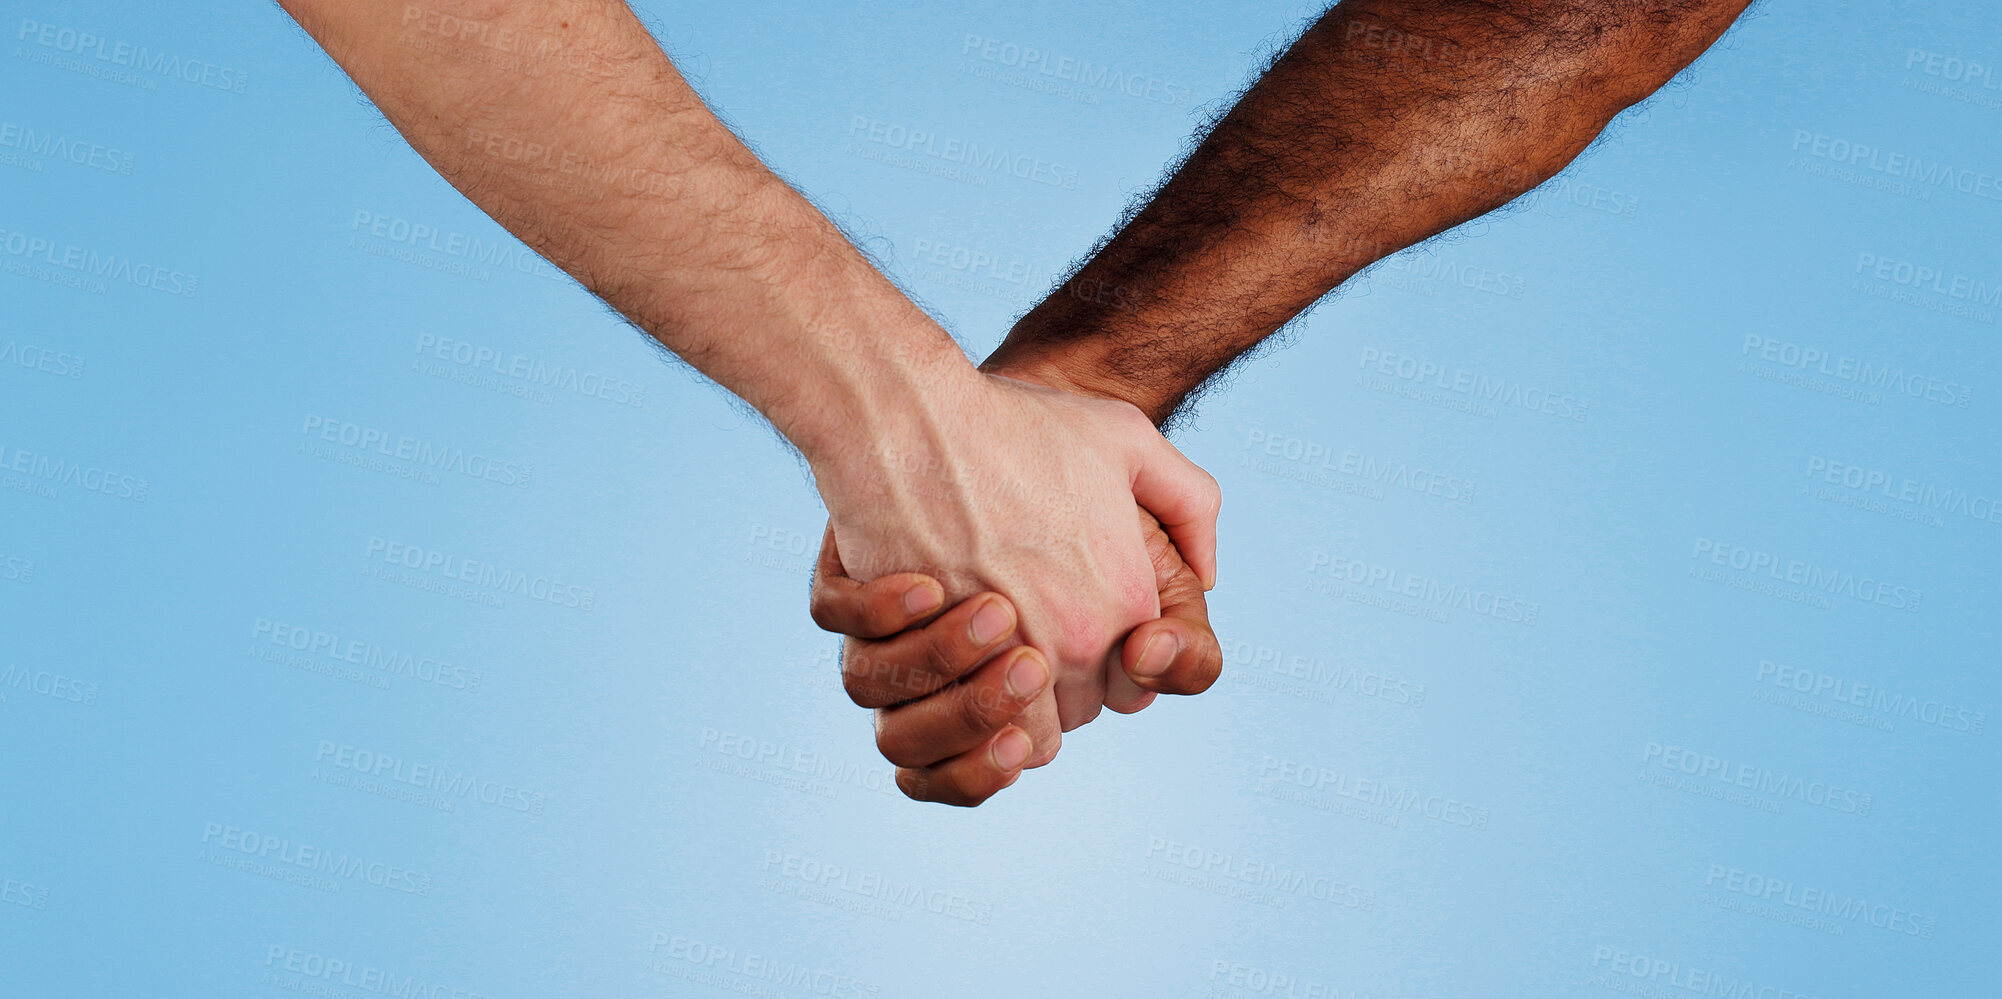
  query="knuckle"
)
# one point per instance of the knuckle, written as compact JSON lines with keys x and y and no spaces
{"x":895,"y":749}
{"x":942,"y":656}
{"x":1208,"y":666}
{"x":821,"y":607}
{"x":1135,"y":420}
{"x":867,"y":679}
{"x":1048,"y":744}
{"x":1074,"y":654}
{"x":885,"y":613}
{"x":1139,"y":601}
{"x":926,"y":784}
{"x":916,"y":784}
{"x":954,"y":791}
{"x":862,"y":694}
{"x":1083,"y":717}
{"x":975,"y":708}
{"x":1129,"y":704}
{"x":1077,"y":638}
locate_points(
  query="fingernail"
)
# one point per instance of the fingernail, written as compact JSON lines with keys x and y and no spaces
{"x":1156,"y":655}
{"x":1012,"y":749}
{"x":990,"y":622}
{"x":923,"y":599}
{"x":1028,"y":676}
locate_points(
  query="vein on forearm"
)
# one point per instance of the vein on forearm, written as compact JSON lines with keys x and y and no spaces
{"x":1386,"y":123}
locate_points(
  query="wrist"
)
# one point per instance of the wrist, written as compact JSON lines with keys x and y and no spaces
{"x":826,"y":348}
{"x":1083,"y":365}
{"x":886,"y":385}
{"x":891,"y":385}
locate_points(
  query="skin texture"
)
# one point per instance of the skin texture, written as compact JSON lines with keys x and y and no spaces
{"x":947,"y":715}
{"x":1052,"y":485}
{"x":1386,"y":123}
{"x":564,"y":121}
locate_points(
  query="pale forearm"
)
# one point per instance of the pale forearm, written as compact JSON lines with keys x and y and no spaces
{"x":1388,"y":122}
{"x":589,"y":146}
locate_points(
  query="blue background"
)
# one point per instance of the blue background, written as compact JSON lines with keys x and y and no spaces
{"x":1384,"y":796}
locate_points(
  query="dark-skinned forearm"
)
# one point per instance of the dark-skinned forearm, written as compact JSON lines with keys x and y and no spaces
{"x":1386,"y":123}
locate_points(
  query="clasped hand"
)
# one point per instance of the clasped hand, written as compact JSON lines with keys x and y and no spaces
{"x":1031,"y":555}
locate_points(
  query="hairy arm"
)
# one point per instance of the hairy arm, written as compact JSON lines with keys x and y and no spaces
{"x":1386,"y":123}
{"x":565,"y":122}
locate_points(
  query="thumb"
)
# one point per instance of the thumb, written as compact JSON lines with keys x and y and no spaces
{"x":1185,"y":499}
{"x":1178,"y":652}
{"x":875,"y":609}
